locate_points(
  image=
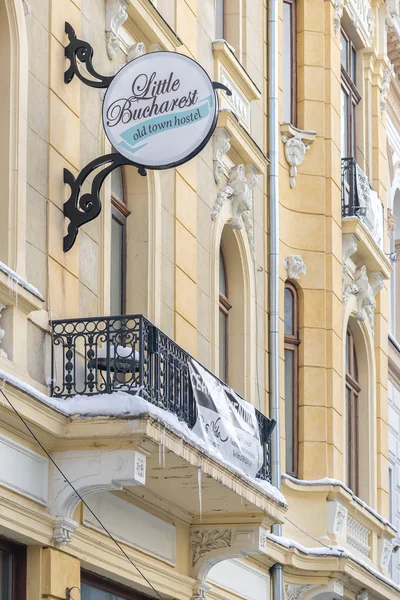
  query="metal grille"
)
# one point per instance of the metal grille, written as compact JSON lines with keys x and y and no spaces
{"x":127,"y":353}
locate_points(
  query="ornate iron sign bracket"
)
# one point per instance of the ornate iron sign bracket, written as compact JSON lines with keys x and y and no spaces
{"x":81,"y":209}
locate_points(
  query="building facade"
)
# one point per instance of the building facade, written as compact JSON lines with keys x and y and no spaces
{"x":106,"y":490}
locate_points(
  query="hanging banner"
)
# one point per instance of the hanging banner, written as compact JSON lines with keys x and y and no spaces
{"x":160,"y":110}
{"x":227,"y":423}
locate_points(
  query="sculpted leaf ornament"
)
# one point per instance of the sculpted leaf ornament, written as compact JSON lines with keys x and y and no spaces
{"x":206,"y":541}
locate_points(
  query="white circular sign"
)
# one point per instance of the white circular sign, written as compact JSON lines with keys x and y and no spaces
{"x":160,"y":110}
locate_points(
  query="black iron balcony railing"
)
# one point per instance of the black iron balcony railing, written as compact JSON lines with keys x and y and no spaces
{"x":350,"y":201}
{"x":103,"y":355}
{"x":360,"y":200}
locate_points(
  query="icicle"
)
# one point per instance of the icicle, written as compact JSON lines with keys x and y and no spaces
{"x":163,"y":446}
{"x":200,"y":493}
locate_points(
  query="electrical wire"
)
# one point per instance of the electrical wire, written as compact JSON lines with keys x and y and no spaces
{"x":81,"y":499}
{"x":309,"y":535}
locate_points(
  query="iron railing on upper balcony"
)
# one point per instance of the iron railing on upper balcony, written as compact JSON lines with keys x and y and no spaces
{"x":360,"y":200}
{"x":127,"y":353}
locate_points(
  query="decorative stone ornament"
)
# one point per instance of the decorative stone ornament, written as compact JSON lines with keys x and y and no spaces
{"x":297,"y":143}
{"x":222,"y":144}
{"x":239,"y":190}
{"x":362,"y":595}
{"x":295,"y":266}
{"x":295,"y":591}
{"x":135,"y":51}
{"x":210,"y":544}
{"x":336,"y":515}
{"x":116,"y":15}
{"x":385,"y":552}
{"x":388,"y":75}
{"x":391,"y":221}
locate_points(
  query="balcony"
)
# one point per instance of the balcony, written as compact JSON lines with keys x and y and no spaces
{"x":106,"y":355}
{"x":361,"y":201}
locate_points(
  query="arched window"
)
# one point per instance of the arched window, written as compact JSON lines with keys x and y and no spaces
{"x":289,"y":62}
{"x":118,"y":244}
{"x":351,"y":418}
{"x":292,"y":341}
{"x":224,"y":308}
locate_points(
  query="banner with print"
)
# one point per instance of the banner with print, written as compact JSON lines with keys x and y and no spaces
{"x":227,"y":423}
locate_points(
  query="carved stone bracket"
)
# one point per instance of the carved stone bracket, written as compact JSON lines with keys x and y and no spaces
{"x":222,"y":144}
{"x":362,"y":595}
{"x":116,"y":15}
{"x":296,"y":142}
{"x":367,"y":288}
{"x":295,"y":266}
{"x":239,"y":190}
{"x":136,"y":50}
{"x":210,"y":544}
{"x":388,"y":75}
{"x":90,"y":472}
{"x":385,"y":552}
{"x":337,"y":14}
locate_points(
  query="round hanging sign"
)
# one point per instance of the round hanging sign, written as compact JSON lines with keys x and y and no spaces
{"x":160,"y":110}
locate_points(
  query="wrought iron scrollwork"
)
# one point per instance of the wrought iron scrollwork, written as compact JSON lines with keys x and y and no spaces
{"x":82,"y":209}
{"x":82,"y":51}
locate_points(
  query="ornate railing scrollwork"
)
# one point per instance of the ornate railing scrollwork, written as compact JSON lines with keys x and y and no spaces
{"x":83,"y":52}
{"x":82,"y":209}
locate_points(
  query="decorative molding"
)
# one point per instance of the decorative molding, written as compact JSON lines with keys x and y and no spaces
{"x":203,"y":542}
{"x":337,"y":14}
{"x":363,"y":18}
{"x":2,"y":332}
{"x":295,"y":591}
{"x":336,"y":515}
{"x":241,"y":579}
{"x":362,"y":595}
{"x":297,"y":142}
{"x":239,"y":190}
{"x":211,"y":544}
{"x":116,"y":15}
{"x":358,"y":536}
{"x":90,"y":471}
{"x":135,"y":51}
{"x":222,"y":144}
{"x":388,"y":75}
{"x":391,"y":221}
{"x":238,"y":102}
{"x":295,"y":266}
{"x":23,"y":471}
{"x":385,"y":552}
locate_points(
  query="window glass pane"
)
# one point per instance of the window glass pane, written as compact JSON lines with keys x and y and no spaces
{"x":353,"y":129}
{"x":219,"y":19}
{"x":289,"y":423}
{"x":347,"y":436}
{"x":117,"y":186}
{"x":391,"y":494}
{"x":117,"y":250}
{"x":353,"y":65}
{"x":223,"y":323}
{"x":344,"y":125}
{"x":222,"y":275}
{"x":288,"y":319}
{"x":287,"y":62}
{"x":90,"y":592}
{"x":343,"y":51}
{"x":5,"y":575}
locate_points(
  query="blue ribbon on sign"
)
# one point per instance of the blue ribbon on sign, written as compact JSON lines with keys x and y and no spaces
{"x":136,"y":134}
